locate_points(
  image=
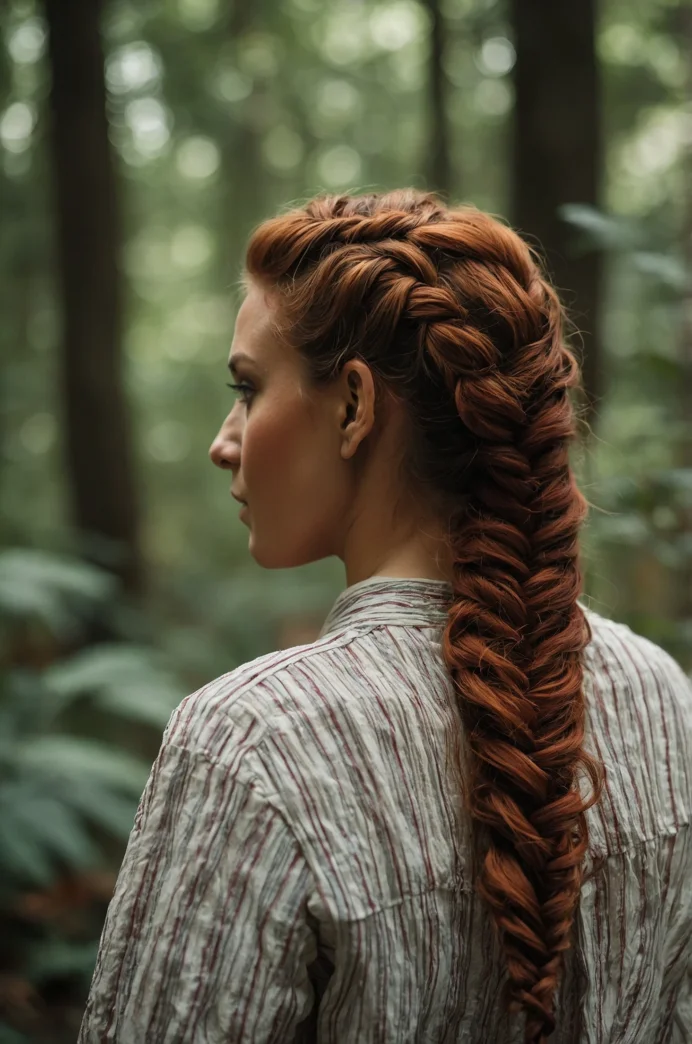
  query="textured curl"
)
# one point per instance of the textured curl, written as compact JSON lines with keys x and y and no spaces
{"x":450,"y":309}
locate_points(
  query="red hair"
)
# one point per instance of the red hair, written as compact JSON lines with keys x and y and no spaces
{"x":450,"y":309}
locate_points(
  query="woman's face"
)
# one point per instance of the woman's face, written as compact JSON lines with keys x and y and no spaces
{"x":281,"y":442}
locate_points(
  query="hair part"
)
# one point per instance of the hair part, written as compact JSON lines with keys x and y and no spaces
{"x":450,"y":309}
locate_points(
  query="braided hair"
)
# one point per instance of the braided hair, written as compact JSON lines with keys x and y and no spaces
{"x":450,"y":309}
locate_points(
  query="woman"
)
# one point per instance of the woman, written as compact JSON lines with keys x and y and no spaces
{"x":382,"y":835}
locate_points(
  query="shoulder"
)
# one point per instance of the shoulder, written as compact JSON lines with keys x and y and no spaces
{"x":640,"y":720}
{"x":620,"y":653}
{"x":246,"y":707}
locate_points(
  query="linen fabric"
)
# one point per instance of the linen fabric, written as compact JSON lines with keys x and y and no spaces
{"x":300,"y":866}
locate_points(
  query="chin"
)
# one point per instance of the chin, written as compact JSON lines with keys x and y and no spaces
{"x":275,"y":557}
{"x":269,"y":556}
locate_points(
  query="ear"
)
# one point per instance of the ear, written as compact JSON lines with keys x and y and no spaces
{"x":357,"y":405}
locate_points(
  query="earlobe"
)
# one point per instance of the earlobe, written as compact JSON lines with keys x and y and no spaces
{"x":348,"y":430}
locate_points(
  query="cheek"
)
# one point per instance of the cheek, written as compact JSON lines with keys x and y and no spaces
{"x":285,"y":454}
{"x":298,"y":500}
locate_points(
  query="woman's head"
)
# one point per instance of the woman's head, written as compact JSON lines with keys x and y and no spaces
{"x":321,"y":446}
{"x":415,"y":361}
{"x":317,"y":462}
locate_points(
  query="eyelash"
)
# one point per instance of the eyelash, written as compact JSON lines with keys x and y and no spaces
{"x":243,"y":389}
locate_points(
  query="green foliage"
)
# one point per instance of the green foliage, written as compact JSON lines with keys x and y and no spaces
{"x":56,"y":958}
{"x":128,"y":680}
{"x":643,"y":513}
{"x":67,"y":797}
{"x":626,"y":236}
{"x":49,"y":589}
{"x":55,"y":786}
{"x":643,"y":519}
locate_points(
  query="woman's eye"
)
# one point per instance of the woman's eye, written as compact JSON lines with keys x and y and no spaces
{"x":243,"y":390}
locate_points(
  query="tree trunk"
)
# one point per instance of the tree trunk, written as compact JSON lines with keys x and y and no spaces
{"x":98,"y":445}
{"x":438,"y":174}
{"x":245,"y":184}
{"x":557,"y":154}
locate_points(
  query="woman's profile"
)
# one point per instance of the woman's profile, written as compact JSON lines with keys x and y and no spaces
{"x":461,"y":814}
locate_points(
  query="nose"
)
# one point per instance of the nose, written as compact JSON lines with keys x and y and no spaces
{"x":225,"y":450}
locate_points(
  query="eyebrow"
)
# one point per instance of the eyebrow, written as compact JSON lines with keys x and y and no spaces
{"x":237,"y":358}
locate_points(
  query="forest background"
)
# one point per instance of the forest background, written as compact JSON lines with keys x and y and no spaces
{"x":140,"y":141}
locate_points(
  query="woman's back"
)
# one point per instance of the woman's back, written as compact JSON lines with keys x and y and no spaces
{"x":433,"y":965}
{"x":348,"y":749}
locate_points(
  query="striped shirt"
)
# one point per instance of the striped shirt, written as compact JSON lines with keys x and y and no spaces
{"x":299,"y":865}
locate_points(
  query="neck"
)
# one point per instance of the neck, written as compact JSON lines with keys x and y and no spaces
{"x":391,"y":531}
{"x":417,"y":550}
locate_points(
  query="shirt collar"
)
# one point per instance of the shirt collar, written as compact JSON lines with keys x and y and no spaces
{"x":408,"y":601}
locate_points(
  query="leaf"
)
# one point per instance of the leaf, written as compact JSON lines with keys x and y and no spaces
{"x":29,"y":808}
{"x":108,"y":810}
{"x":23,"y":708}
{"x":52,"y":588}
{"x":602,"y":231}
{"x":43,"y":824}
{"x":628,"y":529}
{"x":668,"y":270}
{"x":677,"y":480}
{"x":616,"y":489}
{"x":51,"y":825}
{"x":22,"y":859}
{"x":83,"y":760}
{"x":57,"y":958}
{"x":122,"y":678}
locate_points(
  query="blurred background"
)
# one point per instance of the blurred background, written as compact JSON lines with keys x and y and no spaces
{"x":140,"y":141}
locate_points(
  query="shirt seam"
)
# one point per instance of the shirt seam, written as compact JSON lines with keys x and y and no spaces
{"x":596,"y":863}
{"x":320,"y":645}
{"x":324,"y":644}
{"x":240,"y":774}
{"x":468,"y":888}
{"x":249,"y":779}
{"x":337,"y":639}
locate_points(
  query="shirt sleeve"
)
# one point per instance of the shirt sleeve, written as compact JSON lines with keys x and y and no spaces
{"x":205,"y":940}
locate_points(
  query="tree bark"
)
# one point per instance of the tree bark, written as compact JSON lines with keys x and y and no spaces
{"x":97,"y":432}
{"x":557,"y":155}
{"x":245,"y":194}
{"x":438,"y":173}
